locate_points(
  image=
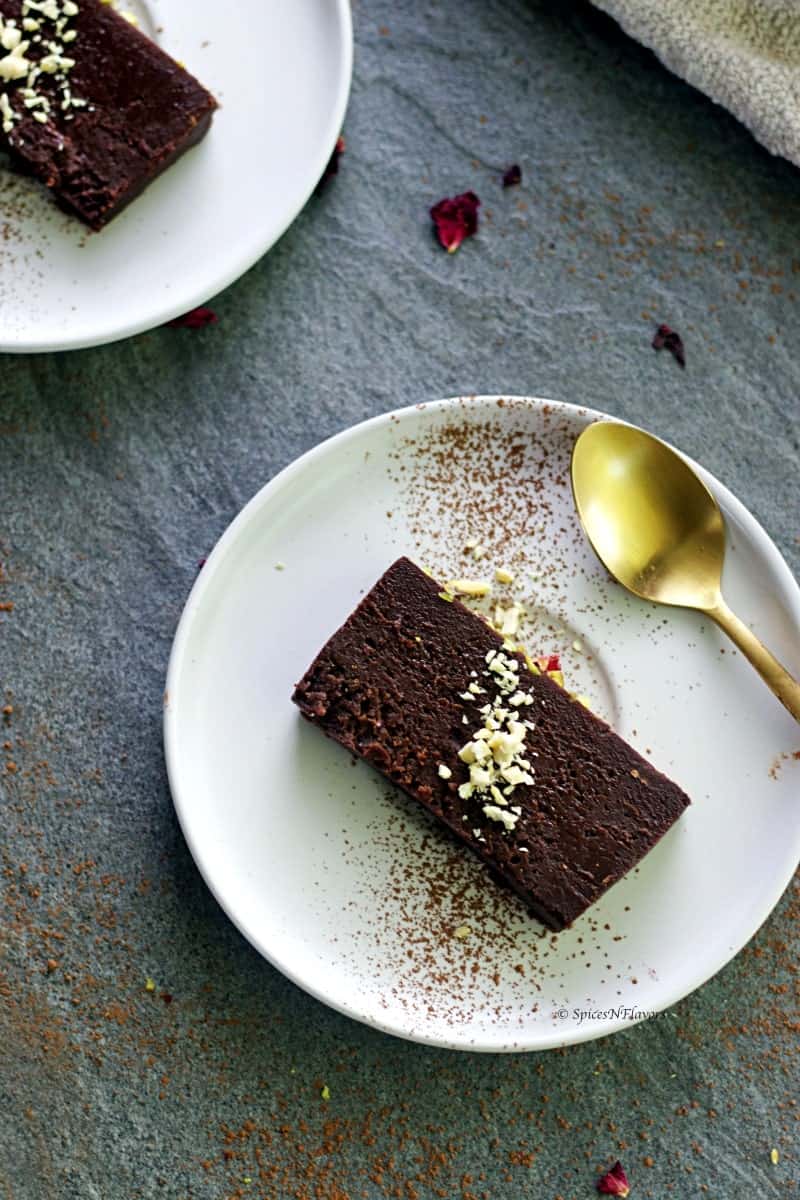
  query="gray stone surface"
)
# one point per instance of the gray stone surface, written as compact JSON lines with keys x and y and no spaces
{"x":119,"y":468}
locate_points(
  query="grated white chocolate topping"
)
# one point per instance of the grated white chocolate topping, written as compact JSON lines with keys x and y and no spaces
{"x":35,"y":47}
{"x":495,"y":754}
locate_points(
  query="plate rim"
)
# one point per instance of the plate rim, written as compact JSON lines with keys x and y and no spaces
{"x":169,"y":309}
{"x":544,"y":1040}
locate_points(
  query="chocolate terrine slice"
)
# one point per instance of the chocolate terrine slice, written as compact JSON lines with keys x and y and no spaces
{"x":551,"y":799}
{"x":90,"y":105}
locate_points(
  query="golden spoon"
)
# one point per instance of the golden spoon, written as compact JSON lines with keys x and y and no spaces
{"x":660,"y":533}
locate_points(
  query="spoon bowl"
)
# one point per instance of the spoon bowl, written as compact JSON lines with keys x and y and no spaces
{"x":659,"y":531}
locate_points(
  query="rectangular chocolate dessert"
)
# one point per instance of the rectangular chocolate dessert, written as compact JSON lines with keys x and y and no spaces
{"x":90,"y":106}
{"x":555,"y":803}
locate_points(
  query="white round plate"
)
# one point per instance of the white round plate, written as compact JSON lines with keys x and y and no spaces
{"x":349,"y":888}
{"x":281,"y":72}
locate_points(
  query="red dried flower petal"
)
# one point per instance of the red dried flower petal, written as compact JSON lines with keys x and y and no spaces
{"x":455,"y":218}
{"x":615,"y":1182}
{"x":333,"y":164}
{"x":667,"y":339}
{"x":548,"y":662}
{"x":198,"y":318}
{"x":512,"y":176}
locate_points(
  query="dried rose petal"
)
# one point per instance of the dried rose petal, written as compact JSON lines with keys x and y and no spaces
{"x":667,"y":339}
{"x":615,"y":1182}
{"x":198,"y":318}
{"x":512,"y":176}
{"x":333,"y":164}
{"x":548,"y":662}
{"x":455,"y":219}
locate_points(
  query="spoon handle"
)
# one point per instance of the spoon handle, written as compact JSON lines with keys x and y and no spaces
{"x":776,"y":677}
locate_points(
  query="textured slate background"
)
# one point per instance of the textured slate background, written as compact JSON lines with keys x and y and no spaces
{"x":119,"y":468}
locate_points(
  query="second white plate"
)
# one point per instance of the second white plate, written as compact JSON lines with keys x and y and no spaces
{"x":347,"y":887}
{"x":281,"y":72}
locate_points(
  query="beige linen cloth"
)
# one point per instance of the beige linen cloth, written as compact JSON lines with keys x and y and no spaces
{"x":745,"y":54}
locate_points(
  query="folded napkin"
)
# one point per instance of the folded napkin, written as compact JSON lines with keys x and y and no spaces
{"x":745,"y":54}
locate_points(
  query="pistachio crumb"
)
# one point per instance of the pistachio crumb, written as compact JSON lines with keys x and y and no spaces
{"x":325,"y":1093}
{"x":503,"y":576}
{"x":463,"y":932}
{"x":149,"y":984}
{"x":774,"y":1157}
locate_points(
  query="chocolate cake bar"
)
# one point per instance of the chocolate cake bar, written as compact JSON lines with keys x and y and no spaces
{"x":555,"y":803}
{"x":90,"y":106}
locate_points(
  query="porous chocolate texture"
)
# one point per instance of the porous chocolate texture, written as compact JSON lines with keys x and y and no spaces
{"x":388,"y":686}
{"x":143,"y":112}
